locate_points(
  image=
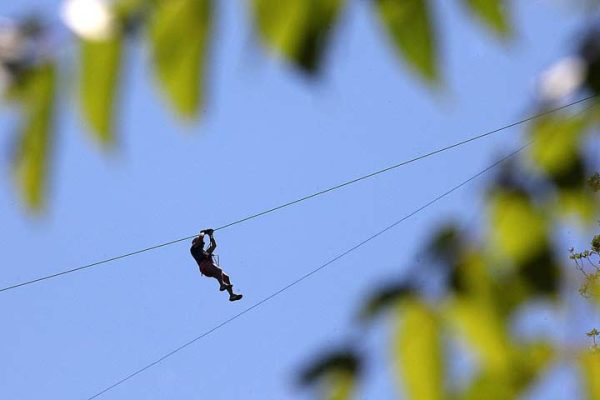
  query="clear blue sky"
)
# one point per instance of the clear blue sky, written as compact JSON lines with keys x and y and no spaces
{"x":268,"y":136}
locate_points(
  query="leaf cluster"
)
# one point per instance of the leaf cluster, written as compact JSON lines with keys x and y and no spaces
{"x":491,"y":278}
{"x":179,"y":35}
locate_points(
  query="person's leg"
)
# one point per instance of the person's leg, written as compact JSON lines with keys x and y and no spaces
{"x":214,"y":272}
{"x":219,"y":278}
{"x":226,"y":279}
{"x":224,"y":282}
{"x":229,"y":288}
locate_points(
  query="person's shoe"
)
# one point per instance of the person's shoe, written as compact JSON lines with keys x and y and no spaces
{"x":225,"y":287}
{"x":235,"y":297}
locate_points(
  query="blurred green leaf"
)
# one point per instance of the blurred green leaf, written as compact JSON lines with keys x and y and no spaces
{"x":179,"y":37}
{"x":446,"y":243}
{"x":489,"y":385}
{"x":35,"y":95}
{"x":518,"y":229}
{"x":127,"y":9}
{"x":410,"y":26}
{"x":472,"y":277}
{"x":556,"y":142}
{"x":493,"y":13}
{"x":595,"y":290}
{"x":479,"y":323}
{"x":530,"y":361}
{"x":384,"y":298}
{"x":100,"y":69}
{"x":339,"y":386}
{"x":336,"y":373}
{"x":297,"y":29}
{"x":418,"y":351}
{"x":590,"y":368}
{"x":579,"y":202}
{"x":527,"y":363}
{"x":541,"y":272}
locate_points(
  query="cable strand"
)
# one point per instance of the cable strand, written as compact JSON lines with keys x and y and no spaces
{"x":308,"y":197}
{"x":310,"y":273}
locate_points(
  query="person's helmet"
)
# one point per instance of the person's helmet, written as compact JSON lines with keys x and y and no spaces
{"x":198,"y":240}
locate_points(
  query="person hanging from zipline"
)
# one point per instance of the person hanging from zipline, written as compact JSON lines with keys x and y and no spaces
{"x":207,"y":264}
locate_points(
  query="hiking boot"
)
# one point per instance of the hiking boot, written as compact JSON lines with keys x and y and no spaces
{"x":235,"y":297}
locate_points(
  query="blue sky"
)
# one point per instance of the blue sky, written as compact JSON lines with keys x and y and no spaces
{"x":268,"y":136}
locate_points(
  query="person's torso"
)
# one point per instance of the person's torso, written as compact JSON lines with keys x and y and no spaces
{"x":200,"y":255}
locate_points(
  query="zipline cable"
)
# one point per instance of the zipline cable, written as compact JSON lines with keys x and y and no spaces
{"x":302,"y":199}
{"x":309,"y":274}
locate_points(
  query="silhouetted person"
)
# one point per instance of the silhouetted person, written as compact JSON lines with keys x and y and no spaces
{"x":207,"y":264}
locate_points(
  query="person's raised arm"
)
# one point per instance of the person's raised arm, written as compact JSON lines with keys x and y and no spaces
{"x":213,"y":243}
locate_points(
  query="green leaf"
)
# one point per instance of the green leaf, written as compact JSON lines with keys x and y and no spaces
{"x":493,"y":13}
{"x":384,"y":298}
{"x":446,"y":243}
{"x":35,"y":95}
{"x":541,"y":271}
{"x":298,"y":30}
{"x":179,"y":37}
{"x":471,"y":276}
{"x":409,"y":24}
{"x":100,"y":69}
{"x":578,"y":202}
{"x":527,"y":363}
{"x":595,"y":289}
{"x":518,"y":229}
{"x":590,"y":368}
{"x":339,"y":386}
{"x":530,"y":361}
{"x":488,"y":385}
{"x":556,"y":142}
{"x":418,"y":351}
{"x":483,"y":329}
{"x":335,"y":373}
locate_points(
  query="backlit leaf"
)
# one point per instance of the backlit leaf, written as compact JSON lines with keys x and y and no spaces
{"x":527,"y":364}
{"x":541,"y":271}
{"x":339,"y":386}
{"x":446,"y":243}
{"x":335,"y":374}
{"x":556,"y":142}
{"x":493,"y":13}
{"x":578,"y":202}
{"x":470,"y":275}
{"x":298,"y":30}
{"x":418,"y":351}
{"x":385,"y":298}
{"x":517,"y":229}
{"x":590,"y":368}
{"x":489,"y":385}
{"x":410,"y":26}
{"x":530,"y":362}
{"x":483,"y":330}
{"x":179,"y":37}
{"x":35,"y":95}
{"x":100,"y":69}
